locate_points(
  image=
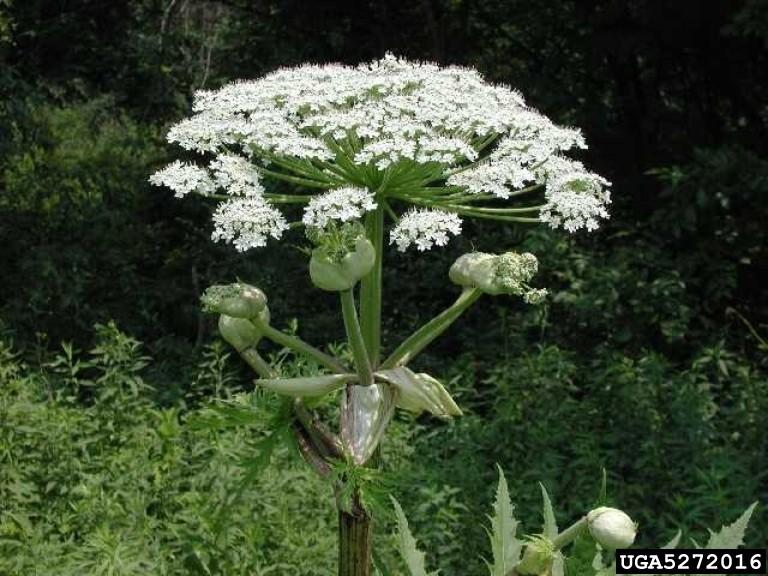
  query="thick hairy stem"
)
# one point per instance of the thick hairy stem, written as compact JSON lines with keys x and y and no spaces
{"x":298,"y":345}
{"x":431,"y":330}
{"x":355,"y":543}
{"x":370,"y":288}
{"x":355,"y":337}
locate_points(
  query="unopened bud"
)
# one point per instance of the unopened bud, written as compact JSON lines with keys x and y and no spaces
{"x":611,"y":528}
{"x":241,"y":333}
{"x":237,"y":300}
{"x":335,"y":274}
{"x":538,"y":557}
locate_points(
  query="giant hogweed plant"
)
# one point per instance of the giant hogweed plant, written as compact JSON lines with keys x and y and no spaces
{"x":391,"y":153}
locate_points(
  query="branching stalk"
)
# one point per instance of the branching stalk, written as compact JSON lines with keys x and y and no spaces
{"x":254,"y":360}
{"x":370,"y":288}
{"x":355,"y":337}
{"x":569,"y":534}
{"x":298,"y":345}
{"x":431,"y":330}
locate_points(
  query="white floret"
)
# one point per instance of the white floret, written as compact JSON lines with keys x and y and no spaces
{"x":424,"y":228}
{"x":183,"y":178}
{"x":341,"y":205}
{"x":247,"y":223}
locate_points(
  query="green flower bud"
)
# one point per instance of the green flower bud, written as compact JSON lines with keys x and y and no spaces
{"x":241,"y":333}
{"x":335,"y":274}
{"x":237,"y":300}
{"x":611,"y":528}
{"x":493,"y":274}
{"x":538,"y":558}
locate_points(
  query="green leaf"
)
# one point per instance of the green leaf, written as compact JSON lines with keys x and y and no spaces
{"x":413,"y":557}
{"x":505,"y":546}
{"x":731,"y":536}
{"x":549,"y":530}
{"x":602,"y":497}
{"x":672,"y":544}
{"x":581,"y":556}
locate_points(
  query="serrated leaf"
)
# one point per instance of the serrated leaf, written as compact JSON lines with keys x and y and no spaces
{"x":505,"y":546}
{"x":731,"y":536}
{"x":672,"y":544}
{"x":549,"y":531}
{"x":412,"y":556}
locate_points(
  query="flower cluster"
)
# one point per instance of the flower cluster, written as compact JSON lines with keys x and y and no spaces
{"x":385,"y":134}
{"x":247,"y":222}
{"x":424,"y":229}
{"x":183,"y":178}
{"x":576,"y":197}
{"x":340,"y":204}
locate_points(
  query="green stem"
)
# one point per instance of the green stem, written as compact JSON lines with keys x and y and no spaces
{"x":420,"y":339}
{"x":296,"y":180}
{"x":370,"y":288}
{"x":569,"y":534}
{"x":355,"y":337}
{"x":287,"y":198}
{"x":255,"y":361}
{"x":298,"y":345}
{"x":495,"y":211}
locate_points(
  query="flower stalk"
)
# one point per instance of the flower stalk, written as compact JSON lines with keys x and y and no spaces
{"x":431,"y":330}
{"x":370,"y":288}
{"x":355,"y":338}
{"x":298,"y":345}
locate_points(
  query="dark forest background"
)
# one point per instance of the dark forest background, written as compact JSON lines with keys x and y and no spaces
{"x":649,"y":358}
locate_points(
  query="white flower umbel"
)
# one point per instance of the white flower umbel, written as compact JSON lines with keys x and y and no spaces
{"x":389,"y":135}
{"x":247,"y":222}
{"x":576,"y":197}
{"x":498,"y":177}
{"x":341,"y":205}
{"x":424,"y":229}
{"x":236,"y":175}
{"x":183,"y":178}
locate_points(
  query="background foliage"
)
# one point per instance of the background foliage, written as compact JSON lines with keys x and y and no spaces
{"x":649,"y":359}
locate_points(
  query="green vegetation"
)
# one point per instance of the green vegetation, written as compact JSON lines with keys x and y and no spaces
{"x":101,"y":473}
